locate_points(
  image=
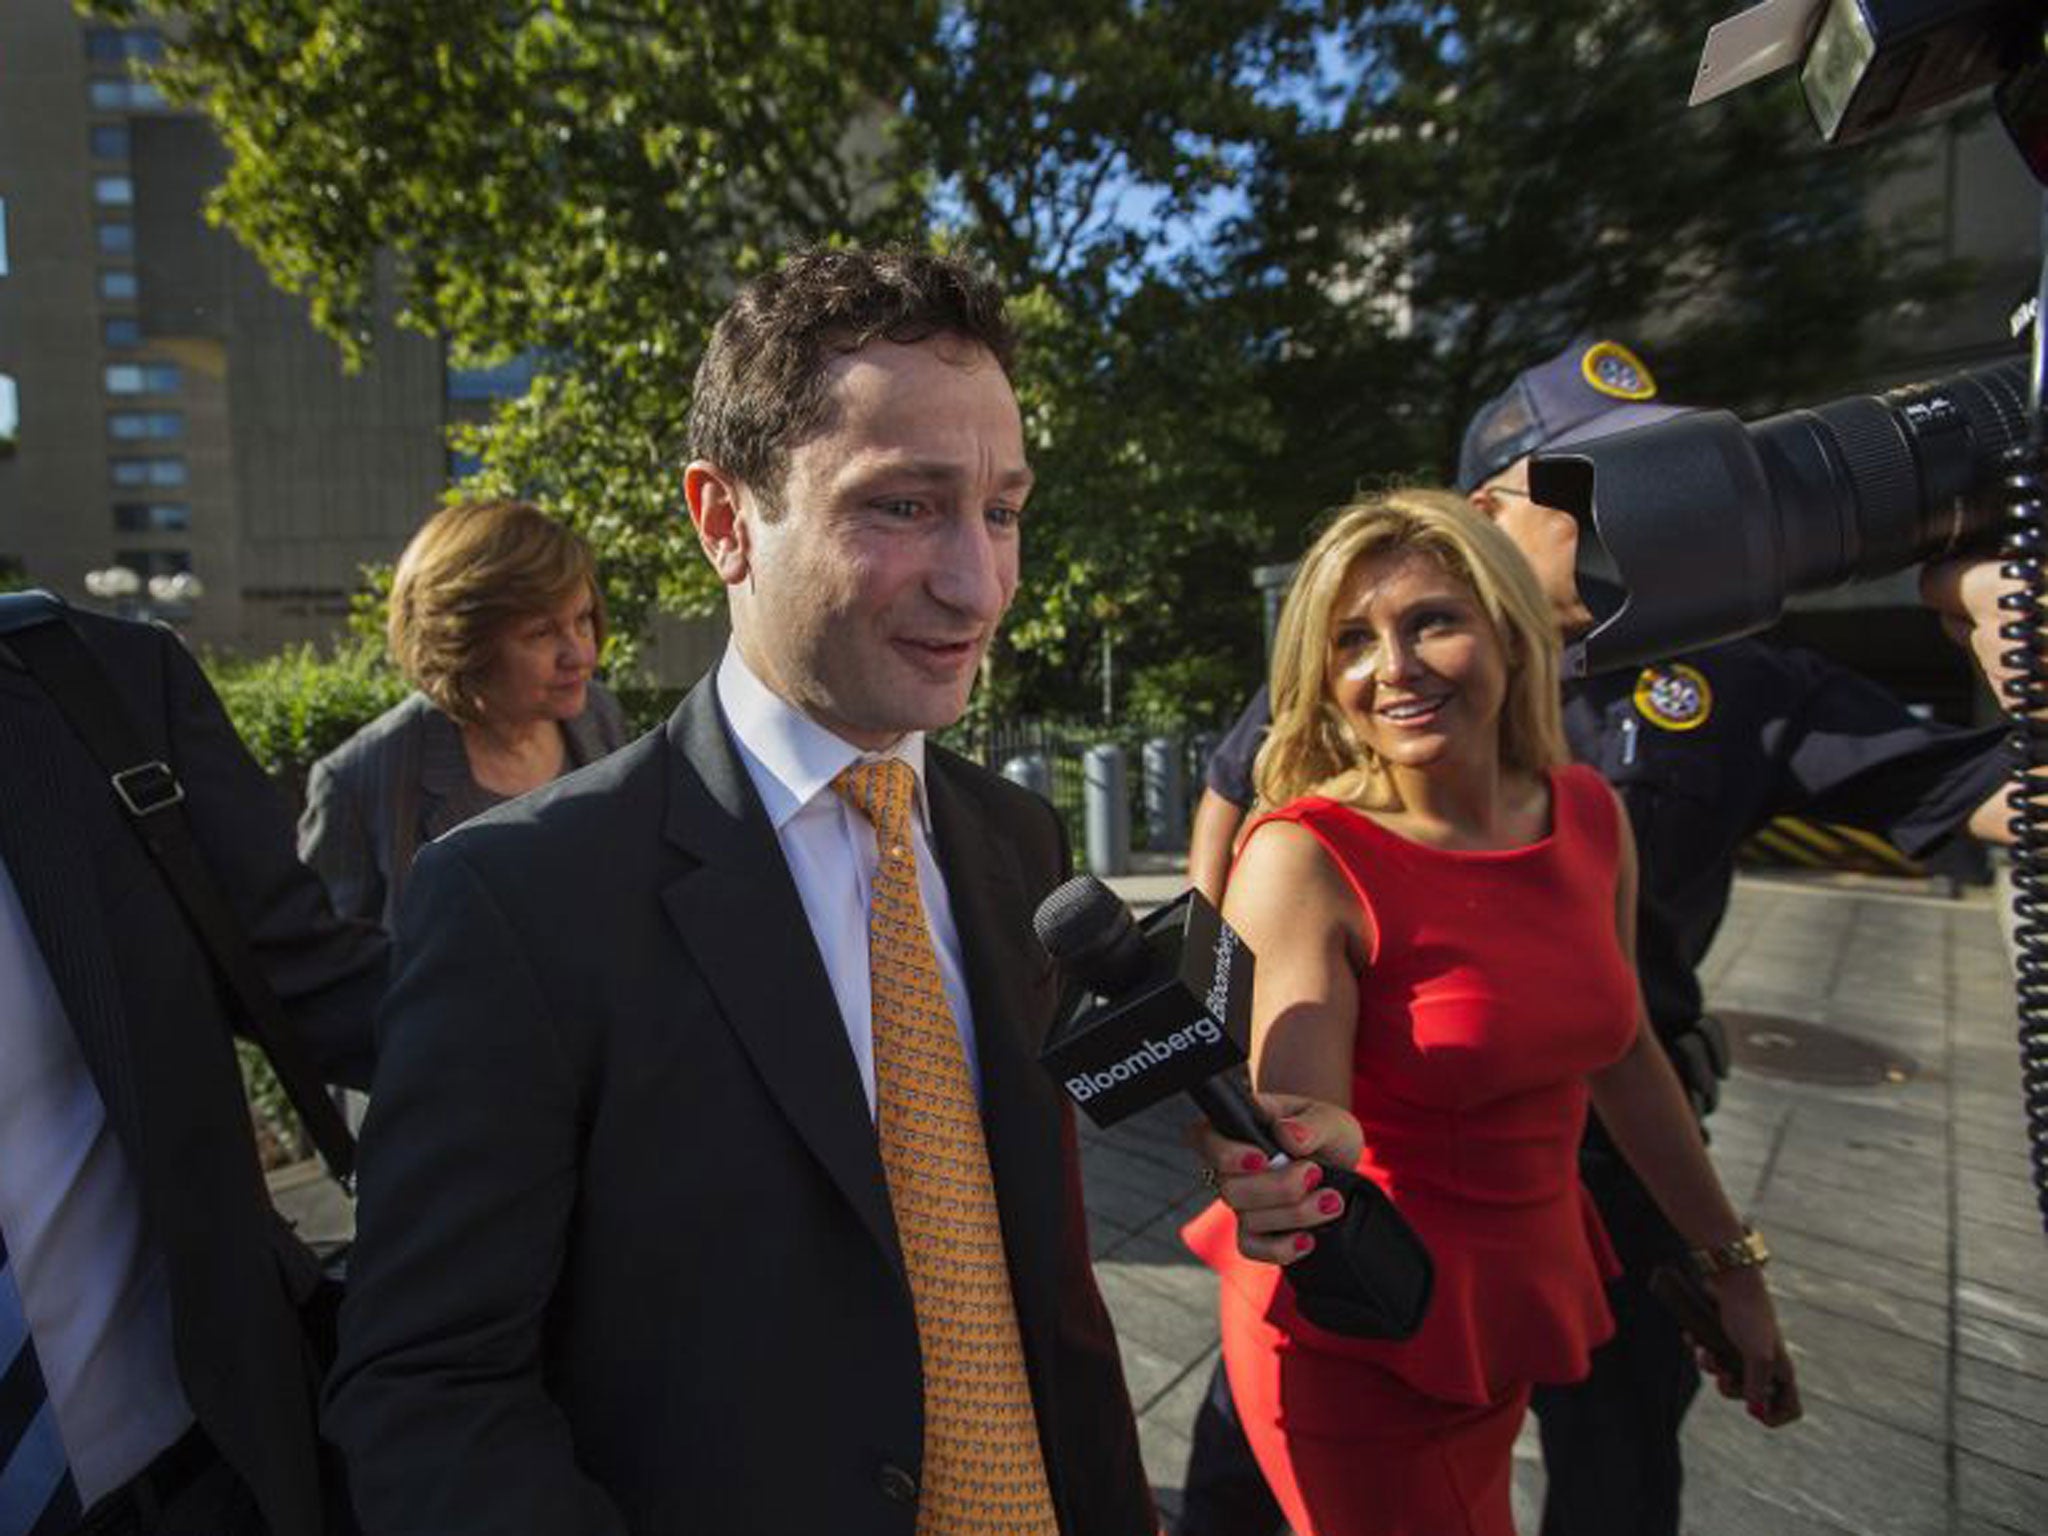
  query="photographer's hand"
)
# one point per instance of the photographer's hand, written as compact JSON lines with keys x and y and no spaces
{"x":1964,"y":594}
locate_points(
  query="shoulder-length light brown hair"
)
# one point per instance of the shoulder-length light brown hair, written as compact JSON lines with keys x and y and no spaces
{"x":1311,"y":748}
{"x":472,"y":570}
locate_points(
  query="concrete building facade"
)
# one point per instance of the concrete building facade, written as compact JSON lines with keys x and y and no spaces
{"x":174,"y":412}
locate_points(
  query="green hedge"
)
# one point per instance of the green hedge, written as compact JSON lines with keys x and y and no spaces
{"x":299,"y":704}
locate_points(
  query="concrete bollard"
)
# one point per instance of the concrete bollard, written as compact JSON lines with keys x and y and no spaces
{"x":1106,"y":810}
{"x":1166,"y":796}
{"x":1031,"y":771}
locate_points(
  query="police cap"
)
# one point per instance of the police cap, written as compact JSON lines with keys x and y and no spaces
{"x":1589,"y":390}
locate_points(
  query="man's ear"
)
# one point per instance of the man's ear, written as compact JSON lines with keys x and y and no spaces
{"x":723,"y":530}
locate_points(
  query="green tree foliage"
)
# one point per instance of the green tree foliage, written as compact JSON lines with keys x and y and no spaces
{"x":1477,"y":182}
{"x":1091,"y":148}
{"x":299,"y":704}
{"x":1262,"y":250}
{"x":579,"y":182}
{"x":584,"y":183}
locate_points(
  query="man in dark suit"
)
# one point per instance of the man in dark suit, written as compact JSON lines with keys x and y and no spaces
{"x":153,"y":1369}
{"x":710,"y":1182}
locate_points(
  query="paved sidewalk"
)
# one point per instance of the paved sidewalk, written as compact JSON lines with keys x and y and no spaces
{"x":1889,"y":1174}
{"x":1911,"y":1271}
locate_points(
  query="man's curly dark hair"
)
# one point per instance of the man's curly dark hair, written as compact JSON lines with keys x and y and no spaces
{"x":763,"y":386}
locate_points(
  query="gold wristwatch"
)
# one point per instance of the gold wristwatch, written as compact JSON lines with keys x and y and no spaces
{"x":1745,"y":1252}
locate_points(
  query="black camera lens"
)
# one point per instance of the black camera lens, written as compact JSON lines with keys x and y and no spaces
{"x":1707,"y":524}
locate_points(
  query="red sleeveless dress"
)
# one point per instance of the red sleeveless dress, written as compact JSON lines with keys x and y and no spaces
{"x":1496,"y":983}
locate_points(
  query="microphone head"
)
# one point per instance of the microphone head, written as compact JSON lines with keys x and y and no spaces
{"x":1090,"y":931}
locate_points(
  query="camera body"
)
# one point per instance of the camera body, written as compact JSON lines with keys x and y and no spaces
{"x":1874,"y":62}
{"x":1865,"y":64}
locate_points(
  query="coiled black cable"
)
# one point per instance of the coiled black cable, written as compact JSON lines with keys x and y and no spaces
{"x":2025,"y":485}
{"x":2026,"y":693}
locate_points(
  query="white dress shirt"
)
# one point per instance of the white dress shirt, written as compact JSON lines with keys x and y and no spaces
{"x":92,"y":1288}
{"x":830,"y":848}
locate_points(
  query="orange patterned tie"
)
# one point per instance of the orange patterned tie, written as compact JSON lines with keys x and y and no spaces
{"x":983,"y":1469}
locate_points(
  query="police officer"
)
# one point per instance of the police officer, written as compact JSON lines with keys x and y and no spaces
{"x":1704,"y":749}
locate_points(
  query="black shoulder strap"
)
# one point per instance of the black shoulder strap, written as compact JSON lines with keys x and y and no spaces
{"x":150,"y":795}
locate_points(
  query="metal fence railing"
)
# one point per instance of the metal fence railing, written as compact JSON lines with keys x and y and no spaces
{"x":1062,"y":746}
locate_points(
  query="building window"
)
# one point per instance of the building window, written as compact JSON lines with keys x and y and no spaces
{"x":157,"y":472}
{"x":121,"y":331}
{"x":109,"y":141}
{"x":3,"y":237}
{"x":143,"y":379}
{"x":10,"y":415}
{"x":124,"y":95}
{"x":113,"y":191}
{"x":116,"y":239}
{"x":117,"y":283}
{"x":119,"y":45}
{"x":133,"y":426}
{"x":151,"y":517}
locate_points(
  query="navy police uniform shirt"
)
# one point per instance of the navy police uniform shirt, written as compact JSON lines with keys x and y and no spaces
{"x":1707,"y":749}
{"x":1229,"y":770}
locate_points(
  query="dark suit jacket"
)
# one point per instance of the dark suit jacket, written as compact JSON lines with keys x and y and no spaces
{"x":154,"y":1028}
{"x":408,"y":763}
{"x":626,"y":1260}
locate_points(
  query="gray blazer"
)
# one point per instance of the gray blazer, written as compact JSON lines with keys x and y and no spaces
{"x":403,"y":780}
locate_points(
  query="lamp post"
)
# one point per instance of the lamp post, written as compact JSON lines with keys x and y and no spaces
{"x":175,"y":591}
{"x":178,"y":589}
{"x":115,"y":584}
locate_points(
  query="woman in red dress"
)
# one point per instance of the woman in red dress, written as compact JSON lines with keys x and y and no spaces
{"x":1443,"y":914}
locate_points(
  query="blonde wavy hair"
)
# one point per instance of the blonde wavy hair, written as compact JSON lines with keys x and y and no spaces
{"x":1311,"y":748}
{"x":471,"y":571}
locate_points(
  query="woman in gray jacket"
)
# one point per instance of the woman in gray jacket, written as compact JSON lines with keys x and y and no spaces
{"x":496,"y":619}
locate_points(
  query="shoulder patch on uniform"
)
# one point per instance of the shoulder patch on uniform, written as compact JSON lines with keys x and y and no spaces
{"x":1674,"y":697}
{"x":1615,"y":371}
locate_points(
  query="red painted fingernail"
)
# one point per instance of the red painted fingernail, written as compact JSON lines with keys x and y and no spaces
{"x":1295,"y":1130}
{"x":1330,"y":1203}
{"x":1303,"y":1242}
{"x":1254,"y":1162}
{"x":1311,"y":1178}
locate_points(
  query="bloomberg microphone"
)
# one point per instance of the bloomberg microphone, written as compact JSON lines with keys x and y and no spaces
{"x":1165,"y":1009}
